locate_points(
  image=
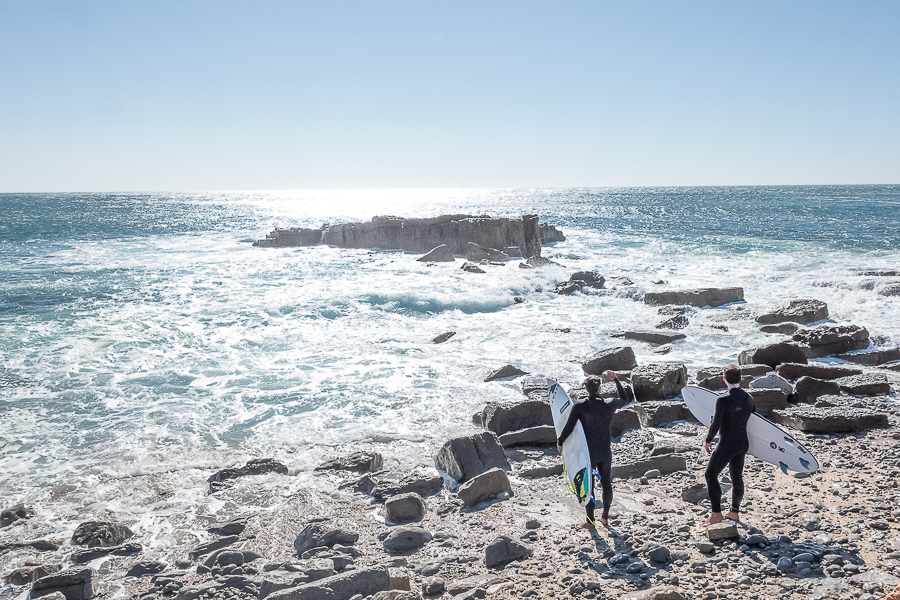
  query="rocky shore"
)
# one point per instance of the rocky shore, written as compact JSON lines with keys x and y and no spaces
{"x":488,"y":516}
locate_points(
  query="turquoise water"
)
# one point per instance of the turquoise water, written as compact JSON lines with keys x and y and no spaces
{"x":144,"y":343}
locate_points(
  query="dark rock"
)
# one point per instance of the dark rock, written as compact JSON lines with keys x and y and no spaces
{"x":145,"y":568}
{"x":505,"y":550}
{"x":663,"y":412}
{"x":615,"y":359}
{"x":807,"y":389}
{"x":712,"y":297}
{"x":344,"y":586}
{"x":621,"y":281}
{"x":671,"y":310}
{"x":472,"y":268}
{"x":404,"y":508}
{"x":74,"y":584}
{"x":423,"y":485}
{"x":830,"y":420}
{"x":504,"y":372}
{"x":658,"y":382}
{"x":796,"y":311}
{"x":19,"y":576}
{"x":650,"y":337}
{"x":513,"y":252}
{"x":871,"y":358}
{"x":482,"y":487}
{"x":253,"y":467}
{"x":826,"y":340}
{"x":208,"y":547}
{"x":363,"y":485}
{"x":676,"y":322}
{"x":359,"y":462}
{"x":80,"y":557}
{"x":767,"y":400}
{"x":698,"y":492}
{"x":476,"y":253}
{"x":232,"y":528}
{"x":315,"y":535}
{"x":443,"y":337}
{"x":796,"y":371}
{"x":781,"y":328}
{"x":869,"y":384}
{"x":665,"y":464}
{"x":888,"y":289}
{"x":406,"y":539}
{"x":441,"y":253}
{"x":544,"y":435}
{"x":715,"y":384}
{"x":19,"y":512}
{"x":95,"y":534}
{"x":588,"y":279}
{"x":465,"y":457}
{"x":773,"y":355}
{"x":225,"y":558}
{"x":506,"y":418}
{"x":623,"y":420}
{"x":659,"y":554}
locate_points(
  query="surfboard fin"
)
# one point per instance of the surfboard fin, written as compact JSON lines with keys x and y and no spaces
{"x":783,"y":467}
{"x":803,"y":462}
{"x":789,"y":441}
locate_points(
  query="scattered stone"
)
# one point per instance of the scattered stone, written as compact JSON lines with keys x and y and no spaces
{"x":406,"y":539}
{"x":796,"y":371}
{"x":615,"y":359}
{"x":359,"y":462}
{"x":773,"y":355}
{"x":315,"y":535}
{"x":826,"y":340}
{"x":465,"y":457}
{"x":443,"y":337}
{"x":441,"y":253}
{"x":505,"y":372}
{"x":94,"y":534}
{"x":796,"y":311}
{"x":11,"y":515}
{"x":404,"y":508}
{"x":722,"y":531}
{"x":504,"y":550}
{"x":868,"y":384}
{"x":485,"y":486}
{"x":700,"y":298}
{"x":807,"y":389}
{"x":258,"y":466}
{"x":658,"y":381}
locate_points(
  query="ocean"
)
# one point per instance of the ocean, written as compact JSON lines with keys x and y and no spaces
{"x":145,"y":344}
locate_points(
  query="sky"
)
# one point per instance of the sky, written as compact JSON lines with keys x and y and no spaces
{"x":195,"y":95}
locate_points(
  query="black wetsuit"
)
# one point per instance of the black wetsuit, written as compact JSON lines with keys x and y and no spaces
{"x":730,"y":422}
{"x":596,"y":417}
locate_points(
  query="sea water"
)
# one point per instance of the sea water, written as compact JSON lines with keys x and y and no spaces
{"x":145,"y":343}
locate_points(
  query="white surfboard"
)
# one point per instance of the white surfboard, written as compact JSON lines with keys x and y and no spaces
{"x":575,"y":453}
{"x":768,"y":441}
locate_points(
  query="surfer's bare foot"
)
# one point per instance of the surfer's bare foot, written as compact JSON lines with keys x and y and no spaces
{"x":604,"y":522}
{"x":587,"y":525}
{"x":733,"y":516}
{"x":714,"y":518}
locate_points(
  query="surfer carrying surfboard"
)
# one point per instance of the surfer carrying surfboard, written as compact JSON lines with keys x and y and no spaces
{"x":595,"y":416}
{"x":733,"y":410}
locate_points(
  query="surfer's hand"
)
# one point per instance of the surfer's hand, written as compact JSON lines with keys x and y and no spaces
{"x":559,"y":448}
{"x":608,"y":376}
{"x":709,"y":447}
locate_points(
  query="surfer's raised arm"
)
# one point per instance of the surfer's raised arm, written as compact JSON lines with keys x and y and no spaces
{"x":626,"y":396}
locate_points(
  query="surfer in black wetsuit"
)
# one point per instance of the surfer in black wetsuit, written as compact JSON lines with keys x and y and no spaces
{"x":596,"y":416}
{"x":733,"y":410}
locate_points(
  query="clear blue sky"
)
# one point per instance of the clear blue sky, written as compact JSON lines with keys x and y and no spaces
{"x":219,"y":95}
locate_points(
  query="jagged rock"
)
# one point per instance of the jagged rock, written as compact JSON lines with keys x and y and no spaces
{"x":472,"y":268}
{"x":722,"y":531}
{"x":505,"y":418}
{"x":504,"y":372}
{"x":74,"y":584}
{"x":659,"y":554}
{"x":772,"y":381}
{"x":665,"y":349}
{"x":650,"y":337}
{"x":888,"y":289}
{"x":80,"y":557}
{"x":665,"y":464}
{"x":588,"y":279}
{"x":465,"y":457}
{"x":405,"y":539}
{"x":145,"y":568}
{"x":767,"y":400}
{"x":773,"y":355}
{"x":95,"y":534}
{"x":872,"y":358}
{"x":485,"y":486}
{"x":358,"y":462}
{"x":712,"y":297}
{"x":807,"y":389}
{"x":566,"y":288}
{"x":753,"y":370}
{"x":868,"y":384}
{"x":830,"y":420}
{"x":19,"y":576}
{"x":676,"y":322}
{"x":781,"y":328}
{"x":535,"y":388}
{"x":621,"y":281}
{"x":796,"y":311}
{"x":365,"y":582}
{"x":505,"y":550}
{"x":423,"y":485}
{"x":654,"y":413}
{"x":535,"y":262}
{"x":826,"y":340}
{"x":404,"y":508}
{"x":257,"y":466}
{"x":669,"y":310}
{"x":19,"y":512}
{"x":443,"y":337}
{"x":476,"y":253}
{"x":664,"y":592}
{"x":233,"y":528}
{"x":543,"y":435}
{"x":315,"y":535}
{"x":208,"y":547}
{"x":658,"y":382}
{"x":441,"y":253}
{"x":615,"y":359}
{"x":796,"y":371}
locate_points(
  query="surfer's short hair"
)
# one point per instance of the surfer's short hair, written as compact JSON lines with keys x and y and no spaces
{"x":732,"y":374}
{"x":592,"y":384}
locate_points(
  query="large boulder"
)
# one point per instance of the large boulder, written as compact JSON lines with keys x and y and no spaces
{"x":712,"y":297}
{"x":773,"y":355}
{"x":503,"y":551}
{"x":826,"y":340}
{"x":505,"y":418}
{"x":365,"y":582}
{"x":772,"y":381}
{"x":543,"y":435}
{"x":767,"y":400}
{"x":257,"y":466}
{"x":404,"y":508}
{"x":623,"y":420}
{"x":614,"y":359}
{"x":650,"y":337}
{"x":807,"y":389}
{"x":868,"y":384}
{"x":477,"y":253}
{"x":483,"y":487}
{"x":839,"y":419}
{"x":797,"y":311}
{"x":359,"y":462}
{"x":505,"y":372}
{"x":654,"y":413}
{"x":664,"y":463}
{"x":795,"y":371}
{"x":316,"y":535}
{"x":441,"y":253}
{"x":588,"y":279}
{"x":94,"y":534}
{"x":872,"y":358}
{"x":658,"y":381}
{"x":465,"y":457}
{"x":406,"y":539}
{"x":414,"y":483}
{"x":80,"y":557}
{"x":74,"y":584}
{"x":676,"y":322}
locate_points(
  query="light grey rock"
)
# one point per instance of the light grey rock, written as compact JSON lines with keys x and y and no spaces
{"x":404,"y":508}
{"x":663,"y":412}
{"x":344,"y":586}
{"x":406,"y":539}
{"x":795,"y":371}
{"x":868,"y":384}
{"x":543,"y":435}
{"x":465,"y":457}
{"x":826,"y":340}
{"x":506,"y":418}
{"x":102,"y":534}
{"x":74,"y":584}
{"x":808,"y":389}
{"x":80,"y":557}
{"x":316,"y":535}
{"x":440,"y":253}
{"x":772,"y":381}
{"x":665,"y":464}
{"x":504,"y":550}
{"x":624,"y":420}
{"x":830,"y":420}
{"x":722,"y":531}
{"x":415,"y":483}
{"x":773,"y":355}
{"x":664,"y":592}
{"x":359,"y":462}
{"x":615,"y":359}
{"x":767,"y":400}
{"x":485,"y":486}
{"x":505,"y":372}
{"x":872,"y":358}
{"x":658,"y":381}
{"x":797,"y":311}
{"x":712,"y":297}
